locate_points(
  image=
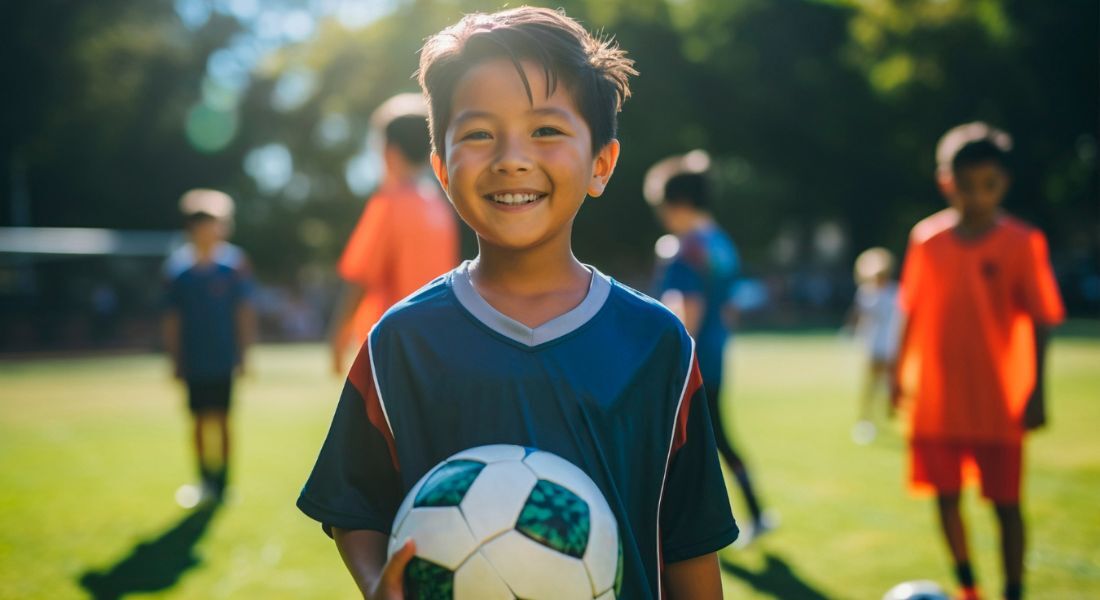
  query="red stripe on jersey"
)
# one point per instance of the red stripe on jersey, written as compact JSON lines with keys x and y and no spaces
{"x":695,"y":382}
{"x":362,"y":378}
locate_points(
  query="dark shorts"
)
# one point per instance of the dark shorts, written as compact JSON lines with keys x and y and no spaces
{"x":209,"y":394}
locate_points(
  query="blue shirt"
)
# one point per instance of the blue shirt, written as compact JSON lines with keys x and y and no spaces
{"x":206,"y":296}
{"x":612,"y":386}
{"x":705,"y":265}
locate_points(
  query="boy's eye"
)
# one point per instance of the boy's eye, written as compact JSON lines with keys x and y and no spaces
{"x":546,"y":131}
{"x":476,"y":135}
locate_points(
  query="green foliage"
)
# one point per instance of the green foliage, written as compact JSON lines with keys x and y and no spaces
{"x":814,"y":110}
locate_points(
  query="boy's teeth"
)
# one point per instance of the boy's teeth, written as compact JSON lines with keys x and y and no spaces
{"x":514,"y":198}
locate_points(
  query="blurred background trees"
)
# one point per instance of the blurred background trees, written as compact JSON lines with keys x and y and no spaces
{"x":822,"y":117}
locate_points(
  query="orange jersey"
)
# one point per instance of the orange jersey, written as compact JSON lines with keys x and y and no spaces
{"x":406,"y":237}
{"x":972,"y":306}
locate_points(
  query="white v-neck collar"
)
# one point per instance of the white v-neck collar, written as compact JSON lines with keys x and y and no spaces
{"x":599,"y":288}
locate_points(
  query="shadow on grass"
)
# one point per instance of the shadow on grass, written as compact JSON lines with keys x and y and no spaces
{"x":776,"y":579}
{"x":155,"y":564}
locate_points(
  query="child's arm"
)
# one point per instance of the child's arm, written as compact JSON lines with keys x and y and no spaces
{"x":364,"y":554}
{"x":1035,"y":414}
{"x":170,"y":333}
{"x":688,"y":308}
{"x":694,"y":579}
{"x":895,"y":374}
{"x":246,"y":333}
{"x":339,"y":330}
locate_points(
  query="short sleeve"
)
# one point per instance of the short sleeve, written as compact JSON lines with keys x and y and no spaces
{"x":682,"y":276}
{"x":367,"y":252}
{"x":695,"y":511}
{"x":1040,"y":294}
{"x":355,"y":483}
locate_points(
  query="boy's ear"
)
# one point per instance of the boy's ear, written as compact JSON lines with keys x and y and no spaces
{"x":440,"y":169}
{"x":946,"y":182}
{"x":602,"y":168}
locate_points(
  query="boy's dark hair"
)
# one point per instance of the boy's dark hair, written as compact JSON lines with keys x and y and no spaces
{"x":409,"y":134}
{"x":977,"y":152}
{"x":593,"y":69}
{"x":972,"y":143}
{"x":690,"y":189}
{"x":197,"y":218}
{"x":682,"y":179}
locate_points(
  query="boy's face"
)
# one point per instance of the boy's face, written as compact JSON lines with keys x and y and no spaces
{"x":977,"y":190}
{"x":517,"y":170}
{"x":676,"y":218}
{"x":206,"y":232}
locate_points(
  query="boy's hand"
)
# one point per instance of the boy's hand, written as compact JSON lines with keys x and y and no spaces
{"x":1035,"y":413}
{"x":391,"y":584}
{"x":896,"y":392}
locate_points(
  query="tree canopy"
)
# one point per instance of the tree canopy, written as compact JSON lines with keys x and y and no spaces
{"x":818,"y":113}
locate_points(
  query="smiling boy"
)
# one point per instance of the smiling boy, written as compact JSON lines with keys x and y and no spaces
{"x":526,"y":344}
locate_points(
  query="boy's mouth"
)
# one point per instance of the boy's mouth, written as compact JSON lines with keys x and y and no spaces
{"x":514,"y":198}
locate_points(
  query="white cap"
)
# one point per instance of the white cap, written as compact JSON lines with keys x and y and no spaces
{"x":211,"y":202}
{"x":653,"y":187}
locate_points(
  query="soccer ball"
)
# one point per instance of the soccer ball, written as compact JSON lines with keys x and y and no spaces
{"x":507,"y":522}
{"x":916,"y":590}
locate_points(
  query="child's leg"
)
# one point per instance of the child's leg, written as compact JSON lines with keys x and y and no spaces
{"x":937,"y":464}
{"x":221,"y":473}
{"x":953,"y":528}
{"x":729,"y":454}
{"x":1001,"y":468}
{"x":221,"y":420}
{"x":198,"y":442}
{"x":954,"y":533}
{"x":873,"y":386}
{"x":1011,"y":523}
{"x":197,"y":399}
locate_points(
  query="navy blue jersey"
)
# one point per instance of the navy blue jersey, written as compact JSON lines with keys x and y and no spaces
{"x":206,"y":296}
{"x":611,"y":386}
{"x":705,"y":265}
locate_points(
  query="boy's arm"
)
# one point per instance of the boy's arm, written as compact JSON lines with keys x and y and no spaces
{"x":688,"y":307}
{"x":1035,"y":414}
{"x":364,"y":554}
{"x":694,"y":306}
{"x":339,"y":329}
{"x":170,"y":333}
{"x":694,"y":579}
{"x":246,"y":333}
{"x":895,"y":374}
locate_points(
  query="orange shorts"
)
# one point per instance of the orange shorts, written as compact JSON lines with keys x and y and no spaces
{"x":944,"y":466}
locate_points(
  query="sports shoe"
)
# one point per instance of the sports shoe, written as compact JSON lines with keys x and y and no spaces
{"x":191,"y":495}
{"x":768,"y":521}
{"x":969,"y":593}
{"x":864,"y":433}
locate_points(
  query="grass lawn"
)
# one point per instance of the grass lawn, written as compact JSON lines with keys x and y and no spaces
{"x":92,"y":451}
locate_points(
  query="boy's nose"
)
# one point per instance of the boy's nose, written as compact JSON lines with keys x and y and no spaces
{"x":512,"y":157}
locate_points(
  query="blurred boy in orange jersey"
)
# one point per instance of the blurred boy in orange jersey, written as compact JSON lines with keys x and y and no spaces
{"x":406,"y":237}
{"x":979,"y":295}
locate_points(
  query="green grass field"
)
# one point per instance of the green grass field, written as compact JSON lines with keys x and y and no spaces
{"x":93,"y":449}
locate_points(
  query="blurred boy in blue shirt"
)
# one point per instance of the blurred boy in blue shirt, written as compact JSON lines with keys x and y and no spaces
{"x":696,"y":276}
{"x":208,"y":325}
